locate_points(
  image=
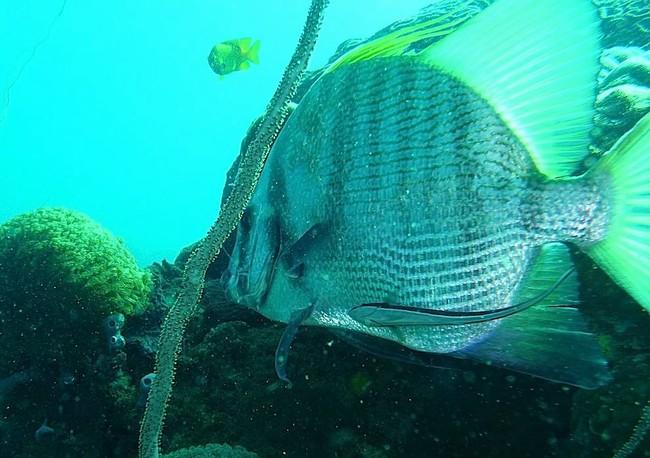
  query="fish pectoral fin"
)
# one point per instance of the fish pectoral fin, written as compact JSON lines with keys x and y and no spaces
{"x":293,"y":255}
{"x":549,"y":342}
{"x":399,"y":315}
{"x":296,"y":271}
{"x":282,"y":351}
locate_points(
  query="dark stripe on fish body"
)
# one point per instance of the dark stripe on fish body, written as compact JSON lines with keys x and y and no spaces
{"x":393,"y":128}
{"x":424,"y":189}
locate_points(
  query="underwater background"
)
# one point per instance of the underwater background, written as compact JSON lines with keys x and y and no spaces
{"x":111,"y":109}
{"x":113,"y":124}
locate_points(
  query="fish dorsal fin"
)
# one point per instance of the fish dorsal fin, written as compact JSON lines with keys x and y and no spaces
{"x":536,"y":63}
{"x":397,"y":42}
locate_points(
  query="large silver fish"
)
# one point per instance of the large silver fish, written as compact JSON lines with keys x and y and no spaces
{"x":428,"y":198}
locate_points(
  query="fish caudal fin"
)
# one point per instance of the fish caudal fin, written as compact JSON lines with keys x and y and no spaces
{"x":536,"y":63}
{"x":625,"y":252}
{"x":253,"y":52}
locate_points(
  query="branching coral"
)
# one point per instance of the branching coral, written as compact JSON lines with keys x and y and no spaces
{"x":250,"y":169}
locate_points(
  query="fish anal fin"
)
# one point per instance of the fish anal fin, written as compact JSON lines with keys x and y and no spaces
{"x":549,"y":342}
{"x":551,"y":262}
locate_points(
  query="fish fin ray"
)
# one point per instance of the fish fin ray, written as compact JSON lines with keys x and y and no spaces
{"x":552,"y":343}
{"x":282,"y":351}
{"x":552,"y":261}
{"x":536,"y":64}
{"x":398,"y":42}
{"x":395,"y":351}
{"x":625,"y":252}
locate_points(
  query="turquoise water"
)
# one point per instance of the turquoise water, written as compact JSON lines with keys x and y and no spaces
{"x":112,"y":109}
{"x":395,"y":287}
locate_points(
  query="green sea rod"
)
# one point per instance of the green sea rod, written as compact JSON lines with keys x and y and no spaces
{"x":638,"y":434}
{"x":250,"y":169}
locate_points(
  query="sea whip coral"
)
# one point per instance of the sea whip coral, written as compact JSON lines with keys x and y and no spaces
{"x":250,"y":169}
{"x":638,"y":434}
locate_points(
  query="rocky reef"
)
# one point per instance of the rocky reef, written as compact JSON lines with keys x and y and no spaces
{"x":343,"y":401}
{"x":66,"y":287}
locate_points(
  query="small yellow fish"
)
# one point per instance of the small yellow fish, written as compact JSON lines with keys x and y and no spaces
{"x":233,"y":55}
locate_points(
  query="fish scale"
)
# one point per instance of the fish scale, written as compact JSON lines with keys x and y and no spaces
{"x":420,"y":197}
{"x":404,"y":185}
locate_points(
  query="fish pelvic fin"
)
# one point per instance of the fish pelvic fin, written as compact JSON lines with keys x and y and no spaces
{"x":624,"y":253}
{"x":289,"y":334}
{"x":535,"y":62}
{"x":552,"y":261}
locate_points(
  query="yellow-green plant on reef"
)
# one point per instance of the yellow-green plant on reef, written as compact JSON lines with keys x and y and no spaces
{"x":61,"y":274}
{"x":250,"y":169}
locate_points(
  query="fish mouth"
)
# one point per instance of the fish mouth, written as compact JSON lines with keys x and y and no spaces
{"x":251,"y":269}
